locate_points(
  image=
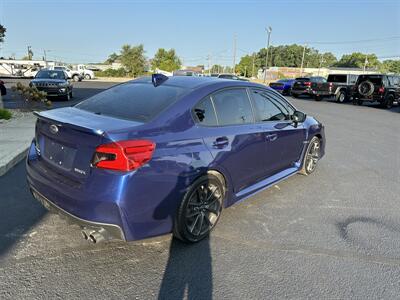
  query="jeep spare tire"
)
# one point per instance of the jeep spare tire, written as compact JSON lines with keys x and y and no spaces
{"x":366,"y":88}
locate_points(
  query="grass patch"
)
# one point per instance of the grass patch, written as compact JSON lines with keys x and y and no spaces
{"x":5,"y":114}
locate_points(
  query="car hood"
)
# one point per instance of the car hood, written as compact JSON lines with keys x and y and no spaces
{"x":49,"y":80}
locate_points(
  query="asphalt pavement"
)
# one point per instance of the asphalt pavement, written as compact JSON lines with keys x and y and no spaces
{"x":333,"y":234}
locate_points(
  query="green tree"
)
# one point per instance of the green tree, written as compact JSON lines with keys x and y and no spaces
{"x":390,"y":66}
{"x":166,"y":60}
{"x":133,"y":59}
{"x":328,"y":59}
{"x":2,"y":33}
{"x":245,"y":66}
{"x":291,"y":56}
{"x":112,"y":58}
{"x":217,"y":69}
{"x":357,"y":60}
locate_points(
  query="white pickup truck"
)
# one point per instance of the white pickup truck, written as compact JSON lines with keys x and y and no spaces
{"x":75,"y":75}
{"x":87,"y":74}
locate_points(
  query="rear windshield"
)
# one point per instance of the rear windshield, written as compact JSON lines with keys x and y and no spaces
{"x":132,"y":101}
{"x":337,"y":78}
{"x":303,"y":79}
{"x":375,"y":79}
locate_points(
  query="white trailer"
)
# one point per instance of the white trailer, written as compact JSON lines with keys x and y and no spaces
{"x":22,"y":68}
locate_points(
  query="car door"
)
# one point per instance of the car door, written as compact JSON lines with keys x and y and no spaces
{"x":235,"y":142}
{"x":284,"y":141}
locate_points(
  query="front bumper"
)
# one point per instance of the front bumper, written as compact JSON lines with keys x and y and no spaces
{"x":54,"y":91}
{"x":109,"y":231}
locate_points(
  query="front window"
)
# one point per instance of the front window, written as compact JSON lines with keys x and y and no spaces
{"x":233,"y":107}
{"x":268,"y":108}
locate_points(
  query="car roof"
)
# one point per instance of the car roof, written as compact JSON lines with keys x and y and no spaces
{"x":191,"y":82}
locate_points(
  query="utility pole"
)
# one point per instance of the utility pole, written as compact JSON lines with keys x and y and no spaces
{"x":252,"y":71}
{"x":209,"y":59}
{"x":30,"y":53}
{"x":365,"y":63}
{"x":234,"y":54}
{"x":269,"y":30}
{"x":320,"y":63}
{"x":302,"y":60}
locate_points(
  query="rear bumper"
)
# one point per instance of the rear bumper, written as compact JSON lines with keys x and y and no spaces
{"x":109,"y":231}
{"x":302,"y":92}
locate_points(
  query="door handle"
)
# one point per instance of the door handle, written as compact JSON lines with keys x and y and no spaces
{"x":221,"y":142}
{"x":271,"y":137}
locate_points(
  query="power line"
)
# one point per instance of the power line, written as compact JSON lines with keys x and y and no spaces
{"x":356,"y":41}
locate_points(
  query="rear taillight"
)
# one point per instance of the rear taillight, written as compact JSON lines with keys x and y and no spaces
{"x":330,"y":84}
{"x":381,"y":90}
{"x":307,"y":83}
{"x":123,"y":155}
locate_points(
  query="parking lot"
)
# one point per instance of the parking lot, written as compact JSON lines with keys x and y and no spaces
{"x":333,"y":234}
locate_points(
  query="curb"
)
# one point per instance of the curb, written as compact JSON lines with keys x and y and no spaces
{"x":15,"y":160}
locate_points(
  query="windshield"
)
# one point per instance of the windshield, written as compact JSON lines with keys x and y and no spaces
{"x":132,"y":101}
{"x":50,"y":74}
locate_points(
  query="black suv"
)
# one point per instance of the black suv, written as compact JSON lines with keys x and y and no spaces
{"x":306,"y":85}
{"x":53,"y":82}
{"x":384,"y":89}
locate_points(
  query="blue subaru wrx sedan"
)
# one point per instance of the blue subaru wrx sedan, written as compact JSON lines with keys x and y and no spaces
{"x":159,"y":155}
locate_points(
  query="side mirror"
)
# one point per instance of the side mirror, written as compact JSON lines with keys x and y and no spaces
{"x":298,"y":117}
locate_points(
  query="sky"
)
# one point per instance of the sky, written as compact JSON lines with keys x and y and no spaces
{"x":88,"y":31}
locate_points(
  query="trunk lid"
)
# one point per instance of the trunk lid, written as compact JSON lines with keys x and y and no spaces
{"x":66,"y":139}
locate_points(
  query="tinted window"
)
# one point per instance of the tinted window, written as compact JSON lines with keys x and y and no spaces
{"x":337,"y":78}
{"x":375,"y":79}
{"x":233,"y":107}
{"x":267,"y":108}
{"x":226,"y":76}
{"x":205,"y":113}
{"x":132,"y":101}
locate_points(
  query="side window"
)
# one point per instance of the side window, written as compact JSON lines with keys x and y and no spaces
{"x":233,"y":107}
{"x":204,"y":113}
{"x":267,"y":108}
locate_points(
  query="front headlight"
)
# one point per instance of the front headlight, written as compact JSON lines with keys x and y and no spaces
{"x":63,"y":84}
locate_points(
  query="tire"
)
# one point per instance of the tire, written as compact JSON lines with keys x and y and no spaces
{"x":317,"y":98}
{"x":360,"y":102}
{"x":75,"y":77}
{"x":200,"y":209}
{"x":71,"y":95}
{"x":67,"y":97}
{"x":341,"y":97}
{"x":294,"y":95}
{"x":311,"y":157}
{"x":88,"y":77}
{"x":388,"y":102}
{"x":366,"y":88}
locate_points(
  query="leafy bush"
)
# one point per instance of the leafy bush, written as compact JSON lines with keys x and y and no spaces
{"x":5,"y":114}
{"x":33,"y":98}
{"x":121,"y":72}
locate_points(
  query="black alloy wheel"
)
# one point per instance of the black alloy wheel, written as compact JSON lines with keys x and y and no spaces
{"x":200,"y":209}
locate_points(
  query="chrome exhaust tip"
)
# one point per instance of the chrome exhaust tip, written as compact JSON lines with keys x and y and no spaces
{"x":96,"y":237}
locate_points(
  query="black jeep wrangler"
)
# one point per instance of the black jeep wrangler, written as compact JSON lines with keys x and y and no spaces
{"x":384,"y":89}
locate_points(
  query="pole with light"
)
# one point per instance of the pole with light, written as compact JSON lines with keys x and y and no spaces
{"x":269,"y":30}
